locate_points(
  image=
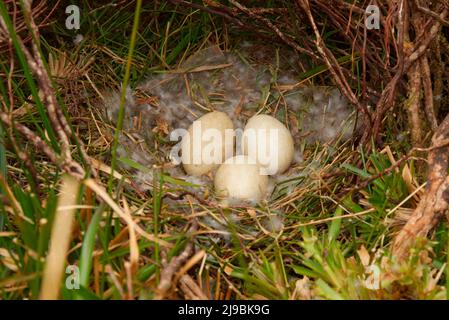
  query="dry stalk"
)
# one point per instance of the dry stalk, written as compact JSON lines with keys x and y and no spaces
{"x":170,"y":268}
{"x":413,"y":105}
{"x":435,"y":202}
{"x":55,"y":114}
{"x":60,"y":239}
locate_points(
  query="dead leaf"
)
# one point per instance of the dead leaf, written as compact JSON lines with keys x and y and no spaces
{"x":364,"y":256}
{"x":8,"y":259}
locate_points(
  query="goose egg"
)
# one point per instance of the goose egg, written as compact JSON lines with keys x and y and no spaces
{"x":267,"y":140}
{"x":208,"y":142}
{"x":239,"y":179}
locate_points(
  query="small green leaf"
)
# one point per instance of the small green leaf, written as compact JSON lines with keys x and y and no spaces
{"x":327,"y":291}
{"x":334,"y":229}
{"x":134,"y":164}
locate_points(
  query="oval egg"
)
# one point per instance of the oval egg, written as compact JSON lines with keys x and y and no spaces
{"x":208,"y":143}
{"x":239,"y":179}
{"x":267,"y":140}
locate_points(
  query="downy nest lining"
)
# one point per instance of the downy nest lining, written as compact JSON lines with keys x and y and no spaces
{"x":213,"y":80}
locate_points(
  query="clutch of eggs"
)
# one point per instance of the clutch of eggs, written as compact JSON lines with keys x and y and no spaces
{"x":267,"y":147}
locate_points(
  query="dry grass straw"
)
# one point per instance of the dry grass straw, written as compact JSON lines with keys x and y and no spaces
{"x":60,"y":238}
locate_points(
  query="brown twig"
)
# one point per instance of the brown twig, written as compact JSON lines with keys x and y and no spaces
{"x":28,"y":134}
{"x":169,"y":270}
{"x":388,"y":95}
{"x":276,"y":30}
{"x":226,"y":13}
{"x":333,"y":64}
{"x":428,"y":93}
{"x":432,"y":13}
{"x":183,"y":194}
{"x":414,"y":105}
{"x":436,"y":199}
{"x":191,"y":290}
{"x":57,"y":119}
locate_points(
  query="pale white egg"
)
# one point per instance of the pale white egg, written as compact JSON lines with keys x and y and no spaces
{"x":267,"y":140}
{"x":208,"y":143}
{"x":239,"y":179}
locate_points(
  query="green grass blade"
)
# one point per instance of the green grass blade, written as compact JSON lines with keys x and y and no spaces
{"x":88,"y":246}
{"x":121,"y":113}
